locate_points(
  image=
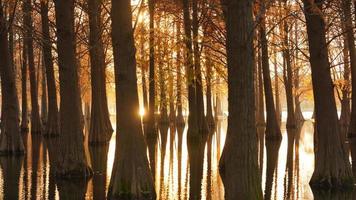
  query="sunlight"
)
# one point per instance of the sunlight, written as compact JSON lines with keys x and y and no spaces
{"x":142,"y":111}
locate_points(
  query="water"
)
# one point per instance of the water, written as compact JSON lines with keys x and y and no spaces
{"x":285,"y":177}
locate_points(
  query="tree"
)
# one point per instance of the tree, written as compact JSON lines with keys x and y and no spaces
{"x":52,"y":126}
{"x":36,"y":126}
{"x":239,"y":157}
{"x":332,"y":167}
{"x":131,"y":177}
{"x":272,"y":128}
{"x":10,"y":139}
{"x":24,"y":104}
{"x":72,"y":161}
{"x":100,"y":125}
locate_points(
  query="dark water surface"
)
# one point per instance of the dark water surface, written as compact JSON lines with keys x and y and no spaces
{"x":287,"y":168}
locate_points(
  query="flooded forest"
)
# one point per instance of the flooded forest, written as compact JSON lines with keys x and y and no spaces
{"x":177,"y":99}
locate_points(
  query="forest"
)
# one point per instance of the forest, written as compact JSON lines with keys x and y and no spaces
{"x":178,"y":99}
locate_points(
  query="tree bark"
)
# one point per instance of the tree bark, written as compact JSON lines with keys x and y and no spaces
{"x":72,"y":159}
{"x":131,"y":177}
{"x":239,"y":157}
{"x":100,"y":126}
{"x":193,"y":126}
{"x":24,"y":104}
{"x":52,"y":126}
{"x":273,"y":132}
{"x":287,"y":72}
{"x":10,"y":139}
{"x":36,"y":126}
{"x":352,"y":53}
{"x":332,"y":167}
{"x":203,"y":126}
{"x":180,"y":118}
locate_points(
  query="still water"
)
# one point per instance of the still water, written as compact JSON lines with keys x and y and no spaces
{"x":286,"y":170}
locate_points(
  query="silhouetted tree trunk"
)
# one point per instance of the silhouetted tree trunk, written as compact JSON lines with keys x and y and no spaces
{"x":332,"y":168}
{"x":193,"y":126}
{"x":276,"y":88}
{"x":24,"y":104}
{"x":131,"y":177}
{"x":44,"y":114}
{"x":239,"y":157}
{"x":36,"y":126}
{"x":209,"y":108}
{"x":203,"y":126}
{"x":52,"y":126}
{"x":298,"y":113}
{"x":151,"y":130}
{"x":352,"y":52}
{"x":272,"y":128}
{"x":72,"y":159}
{"x":163,"y":116}
{"x":287,"y":71}
{"x":10,"y":138}
{"x":180,"y":118}
{"x":261,"y":108}
{"x":100,"y":125}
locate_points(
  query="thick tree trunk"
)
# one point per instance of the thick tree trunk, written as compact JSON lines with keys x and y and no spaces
{"x":36,"y":126}
{"x":193,"y":126}
{"x":273,"y":132}
{"x":10,"y":139}
{"x":276,"y":88}
{"x":99,"y":156}
{"x":100,"y":125}
{"x":239,"y":157}
{"x":332,"y":168}
{"x":24,"y":104}
{"x":352,"y":52}
{"x":131,"y":177}
{"x":72,"y":159}
{"x":203,"y":126}
{"x":52,"y":126}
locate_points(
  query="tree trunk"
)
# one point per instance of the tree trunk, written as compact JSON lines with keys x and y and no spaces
{"x":163,"y":116}
{"x":288,"y":73}
{"x":72,"y":159}
{"x":273,"y":131}
{"x":131,"y":177}
{"x":332,"y":168}
{"x":261,"y":108}
{"x":151,"y":128}
{"x":100,"y":125}
{"x":10,"y":139}
{"x":352,"y":52}
{"x":36,"y":126}
{"x":203,"y":126}
{"x":180,"y":118}
{"x":209,"y":108}
{"x":52,"y":126}
{"x":193,"y":126}
{"x":24,"y":106}
{"x":44,"y":114}
{"x":239,"y":157}
{"x":276,"y":88}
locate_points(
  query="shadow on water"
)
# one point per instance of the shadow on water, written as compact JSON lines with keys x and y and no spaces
{"x":272,"y":148}
{"x":196,"y":147}
{"x":11,"y":168}
{"x":180,"y":130}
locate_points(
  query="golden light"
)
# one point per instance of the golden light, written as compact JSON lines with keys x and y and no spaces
{"x":142,"y":111}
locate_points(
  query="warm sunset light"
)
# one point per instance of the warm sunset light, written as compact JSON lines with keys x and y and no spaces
{"x":177,"y":99}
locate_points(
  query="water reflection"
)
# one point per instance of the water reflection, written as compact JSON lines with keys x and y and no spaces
{"x":183,"y":169}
